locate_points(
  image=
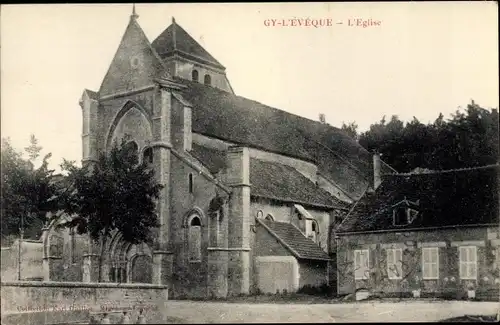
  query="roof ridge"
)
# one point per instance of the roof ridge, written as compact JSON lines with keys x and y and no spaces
{"x":271,"y":107}
{"x":300,"y":132}
{"x":444,"y":171}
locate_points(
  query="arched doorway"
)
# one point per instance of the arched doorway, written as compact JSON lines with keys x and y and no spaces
{"x":139,"y":264}
{"x":141,"y":269}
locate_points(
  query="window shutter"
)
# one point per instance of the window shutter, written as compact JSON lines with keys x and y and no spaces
{"x":398,"y":262}
{"x":473,"y":255}
{"x":357,"y":264}
{"x":425,"y":260}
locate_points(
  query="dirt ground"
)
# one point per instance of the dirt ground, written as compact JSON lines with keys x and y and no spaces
{"x":424,"y":311}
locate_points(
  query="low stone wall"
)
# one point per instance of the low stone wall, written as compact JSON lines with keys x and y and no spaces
{"x":26,"y":297}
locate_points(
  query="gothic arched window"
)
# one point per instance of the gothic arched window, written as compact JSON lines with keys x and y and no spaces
{"x":194,"y":239}
{"x":208,"y":80}
{"x":194,"y":75}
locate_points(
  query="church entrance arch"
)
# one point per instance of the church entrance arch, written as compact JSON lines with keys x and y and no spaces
{"x":139,"y":264}
{"x":141,"y":269}
{"x":129,"y":262}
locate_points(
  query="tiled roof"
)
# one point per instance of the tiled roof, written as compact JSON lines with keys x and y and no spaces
{"x":225,"y":116}
{"x":176,"y":39}
{"x":272,"y":180}
{"x":457,"y":198}
{"x":294,"y":240}
{"x":282,"y":182}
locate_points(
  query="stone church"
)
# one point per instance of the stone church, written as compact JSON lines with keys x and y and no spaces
{"x":251,"y":192}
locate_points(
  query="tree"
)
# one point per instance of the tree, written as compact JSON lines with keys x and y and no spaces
{"x":351,"y":129}
{"x":468,"y":138}
{"x":115,"y":193}
{"x":27,"y":192}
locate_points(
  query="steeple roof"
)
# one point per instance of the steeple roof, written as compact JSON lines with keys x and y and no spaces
{"x":175,"y":40}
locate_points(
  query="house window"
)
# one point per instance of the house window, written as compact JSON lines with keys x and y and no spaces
{"x":395,"y":263}
{"x":194,"y":239}
{"x":403,"y":216}
{"x":208,"y":80}
{"x":430,"y":263}
{"x":194,"y":75}
{"x":148,"y":156}
{"x":399,"y":217}
{"x":361,"y":264}
{"x":190,"y":183}
{"x":468,"y":262}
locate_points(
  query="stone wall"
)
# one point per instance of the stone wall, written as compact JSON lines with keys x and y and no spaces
{"x":447,"y":241}
{"x":22,"y":297}
{"x":31,"y":261}
{"x":190,"y":278}
{"x":274,"y":274}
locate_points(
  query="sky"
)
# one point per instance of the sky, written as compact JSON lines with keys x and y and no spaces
{"x":419,"y":60}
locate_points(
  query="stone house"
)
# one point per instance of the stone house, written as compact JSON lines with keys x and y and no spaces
{"x":435,"y":233}
{"x":250,"y":191}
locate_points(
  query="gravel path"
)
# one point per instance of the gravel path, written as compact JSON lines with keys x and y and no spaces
{"x":215,"y":312}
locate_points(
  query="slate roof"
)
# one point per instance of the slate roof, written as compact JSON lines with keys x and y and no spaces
{"x":222,"y":115}
{"x":294,"y":240}
{"x":450,"y":198}
{"x":176,"y":39}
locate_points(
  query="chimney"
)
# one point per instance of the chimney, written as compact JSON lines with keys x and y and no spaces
{"x":322,"y":118}
{"x":377,"y":178}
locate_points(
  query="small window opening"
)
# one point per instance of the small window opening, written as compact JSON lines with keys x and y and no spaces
{"x":194,"y":75}
{"x":208,"y":80}
{"x":132,"y":148}
{"x":400,"y":217}
{"x":196,"y":222}
{"x":190,"y":181}
{"x":148,"y":156}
